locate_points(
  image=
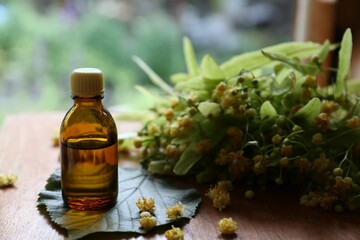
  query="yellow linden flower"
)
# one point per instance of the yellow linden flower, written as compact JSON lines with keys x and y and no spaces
{"x":227,"y":226}
{"x":145,"y":204}
{"x":219,"y":196}
{"x":7,"y":179}
{"x":148,"y":223}
{"x":222,"y":200}
{"x":175,"y":211}
{"x":174,"y":234}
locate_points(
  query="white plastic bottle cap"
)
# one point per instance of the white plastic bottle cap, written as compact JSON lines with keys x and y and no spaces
{"x":86,"y":82}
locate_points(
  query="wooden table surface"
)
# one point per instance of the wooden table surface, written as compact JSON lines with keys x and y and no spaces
{"x":26,"y":150}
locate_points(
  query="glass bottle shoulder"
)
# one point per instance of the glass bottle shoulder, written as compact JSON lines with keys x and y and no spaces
{"x":88,"y":114}
{"x":88,"y":122}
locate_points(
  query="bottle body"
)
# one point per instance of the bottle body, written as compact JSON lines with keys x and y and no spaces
{"x":89,"y":156}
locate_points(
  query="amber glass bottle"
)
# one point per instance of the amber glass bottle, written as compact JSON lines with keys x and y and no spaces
{"x":88,"y":136}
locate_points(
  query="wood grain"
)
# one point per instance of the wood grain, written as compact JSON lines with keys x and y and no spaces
{"x":26,"y":150}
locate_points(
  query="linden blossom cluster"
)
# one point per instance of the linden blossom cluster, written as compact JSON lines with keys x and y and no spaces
{"x":272,"y":124}
{"x":227,"y":226}
{"x":284,"y":149}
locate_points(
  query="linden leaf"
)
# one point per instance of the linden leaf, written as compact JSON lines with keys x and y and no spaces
{"x":124,"y":217}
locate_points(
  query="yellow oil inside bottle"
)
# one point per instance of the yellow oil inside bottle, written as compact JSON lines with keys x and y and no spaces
{"x":90,"y":175}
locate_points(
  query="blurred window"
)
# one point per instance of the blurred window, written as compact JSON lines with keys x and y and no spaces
{"x":41,"y":41}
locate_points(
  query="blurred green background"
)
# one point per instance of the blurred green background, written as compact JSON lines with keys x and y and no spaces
{"x":42,"y":41}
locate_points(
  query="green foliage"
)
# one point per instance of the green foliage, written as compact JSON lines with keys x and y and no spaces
{"x":124,"y":217}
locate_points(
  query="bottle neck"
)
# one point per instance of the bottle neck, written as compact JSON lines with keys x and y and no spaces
{"x":88,"y":100}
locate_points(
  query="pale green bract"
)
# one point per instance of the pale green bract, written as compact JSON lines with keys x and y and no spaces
{"x":153,"y":76}
{"x":309,"y":112}
{"x":344,"y":64}
{"x":124,"y":217}
{"x":210,"y":70}
{"x":256,"y":59}
{"x":190,"y":57}
{"x":209,"y":109}
{"x":267,"y":110}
